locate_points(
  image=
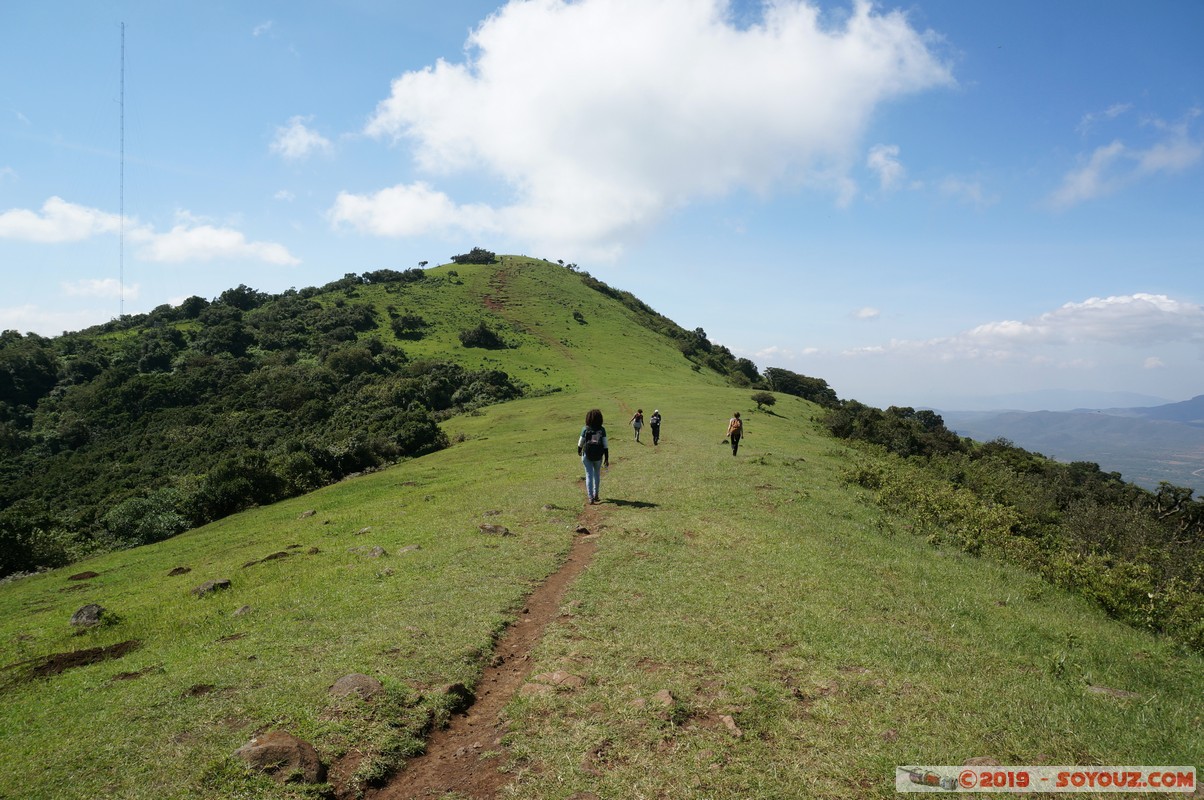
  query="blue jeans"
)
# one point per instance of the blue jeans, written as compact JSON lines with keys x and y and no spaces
{"x":593,"y":477}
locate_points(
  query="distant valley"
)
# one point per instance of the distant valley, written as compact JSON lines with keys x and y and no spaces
{"x":1146,"y":445}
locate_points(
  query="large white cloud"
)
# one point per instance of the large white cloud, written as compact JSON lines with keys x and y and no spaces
{"x":188,"y":241}
{"x":202,"y":242}
{"x":604,"y":115}
{"x":59,"y":221}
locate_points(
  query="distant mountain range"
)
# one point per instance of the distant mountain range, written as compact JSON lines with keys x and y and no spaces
{"x":1146,"y":444}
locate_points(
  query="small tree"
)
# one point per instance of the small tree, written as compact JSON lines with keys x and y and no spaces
{"x":481,"y":336}
{"x":763,"y":399}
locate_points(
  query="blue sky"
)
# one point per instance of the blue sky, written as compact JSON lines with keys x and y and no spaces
{"x":935,"y":202}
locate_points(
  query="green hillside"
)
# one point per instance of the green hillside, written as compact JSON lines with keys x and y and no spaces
{"x":748,"y":627}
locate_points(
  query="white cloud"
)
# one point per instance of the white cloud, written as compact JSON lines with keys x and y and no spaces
{"x":191,"y":242}
{"x":970,"y":192}
{"x":1064,"y":334}
{"x":1117,"y":165}
{"x":31,"y":318}
{"x":1111,"y":112}
{"x":884,"y":160}
{"x":105,"y":287}
{"x":1153,"y":362}
{"x":409,"y":210}
{"x":603,"y":116}
{"x":867,"y":313}
{"x":295,"y":141}
{"x":7,"y":173}
{"x":285,"y":195}
{"x":59,"y":221}
{"x":262,"y":28}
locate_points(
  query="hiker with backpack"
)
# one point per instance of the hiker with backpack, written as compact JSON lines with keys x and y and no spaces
{"x":637,"y":422}
{"x":735,"y":429}
{"x":654,"y":422}
{"x":594,"y":452}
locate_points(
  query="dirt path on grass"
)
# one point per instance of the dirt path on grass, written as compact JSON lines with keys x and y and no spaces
{"x":466,"y":756}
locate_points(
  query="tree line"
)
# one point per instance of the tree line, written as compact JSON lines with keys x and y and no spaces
{"x":135,"y":430}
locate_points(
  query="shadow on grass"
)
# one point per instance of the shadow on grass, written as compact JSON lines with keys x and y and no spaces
{"x":632,"y":503}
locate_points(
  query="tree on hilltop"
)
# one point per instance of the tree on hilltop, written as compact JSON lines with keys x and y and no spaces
{"x":478,"y":255}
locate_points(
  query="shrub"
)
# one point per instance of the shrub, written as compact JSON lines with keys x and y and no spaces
{"x":482,"y":336}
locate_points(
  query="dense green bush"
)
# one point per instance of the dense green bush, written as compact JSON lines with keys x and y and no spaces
{"x":482,"y":336}
{"x":1138,"y":554}
{"x":137,"y":429}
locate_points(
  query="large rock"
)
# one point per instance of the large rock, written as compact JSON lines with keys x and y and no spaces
{"x":209,"y":587}
{"x":88,"y":616}
{"x":283,"y":756}
{"x":365,"y":686}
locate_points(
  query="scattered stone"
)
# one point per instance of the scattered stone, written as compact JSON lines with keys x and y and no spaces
{"x":242,"y":611}
{"x":559,"y":678}
{"x":283,"y":756}
{"x":272,"y":557}
{"x":409,"y":548}
{"x":495,"y":530}
{"x":730,"y":723}
{"x":980,"y":761}
{"x":306,"y":514}
{"x":1120,"y":693}
{"x":88,"y":616}
{"x":368,"y":552}
{"x":211,"y":587}
{"x":362,"y":531}
{"x":83,"y":576}
{"x":179,"y":571}
{"x":664,"y":698}
{"x":581,"y":529}
{"x":365,"y":686}
{"x":313,"y":551}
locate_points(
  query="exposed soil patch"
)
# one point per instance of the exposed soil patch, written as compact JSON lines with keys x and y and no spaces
{"x":465,"y":757}
{"x":57,"y":663}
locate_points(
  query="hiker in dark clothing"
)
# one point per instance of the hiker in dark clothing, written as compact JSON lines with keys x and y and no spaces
{"x":594,"y":452}
{"x":654,"y":422}
{"x":735,"y":429}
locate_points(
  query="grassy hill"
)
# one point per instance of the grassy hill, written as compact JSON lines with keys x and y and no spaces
{"x":748,"y":627}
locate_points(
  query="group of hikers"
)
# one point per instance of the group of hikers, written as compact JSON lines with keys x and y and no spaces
{"x":594,"y":449}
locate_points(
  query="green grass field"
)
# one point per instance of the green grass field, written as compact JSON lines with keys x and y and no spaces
{"x":808,"y":642}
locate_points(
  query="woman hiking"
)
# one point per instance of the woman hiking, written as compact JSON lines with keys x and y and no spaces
{"x":637,"y":422}
{"x":594,"y":452}
{"x":735,"y":429}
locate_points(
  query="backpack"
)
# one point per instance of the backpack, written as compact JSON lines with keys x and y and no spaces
{"x":736,"y":427}
{"x":593,"y":445}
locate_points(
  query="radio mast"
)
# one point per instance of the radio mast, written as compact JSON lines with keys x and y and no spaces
{"x":121,"y":193}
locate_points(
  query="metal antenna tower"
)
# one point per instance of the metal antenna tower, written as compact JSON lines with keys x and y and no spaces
{"x":121,"y":193}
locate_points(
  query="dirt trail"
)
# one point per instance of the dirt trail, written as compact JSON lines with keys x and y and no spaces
{"x":466,"y":756}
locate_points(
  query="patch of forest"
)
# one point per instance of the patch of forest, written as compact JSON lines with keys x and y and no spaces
{"x":136,"y":430}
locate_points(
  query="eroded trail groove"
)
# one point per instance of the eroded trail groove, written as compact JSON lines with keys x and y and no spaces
{"x":453,"y":761}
